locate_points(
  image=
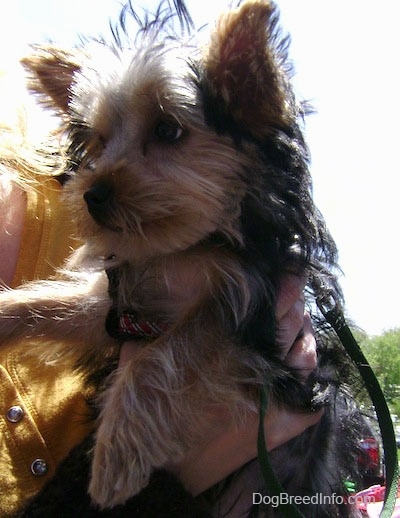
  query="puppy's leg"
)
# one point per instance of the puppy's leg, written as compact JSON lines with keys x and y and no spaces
{"x":148,"y":420}
{"x":138,"y":431}
{"x":57,"y":310}
{"x":156,"y":405}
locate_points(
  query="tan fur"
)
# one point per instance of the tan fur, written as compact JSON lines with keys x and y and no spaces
{"x":55,"y":86}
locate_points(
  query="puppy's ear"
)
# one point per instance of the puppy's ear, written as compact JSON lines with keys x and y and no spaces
{"x":51,"y":75}
{"x":245,"y":69}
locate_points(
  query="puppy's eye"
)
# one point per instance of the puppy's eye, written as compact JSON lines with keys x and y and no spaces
{"x":168,"y":131}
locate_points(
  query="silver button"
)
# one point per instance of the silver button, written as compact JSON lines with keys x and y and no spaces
{"x":15,"y":414}
{"x":39,"y":467}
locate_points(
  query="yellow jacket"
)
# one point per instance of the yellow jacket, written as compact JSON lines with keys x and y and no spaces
{"x":44,"y":413}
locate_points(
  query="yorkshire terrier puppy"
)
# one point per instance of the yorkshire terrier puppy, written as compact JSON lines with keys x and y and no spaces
{"x":190,"y":181}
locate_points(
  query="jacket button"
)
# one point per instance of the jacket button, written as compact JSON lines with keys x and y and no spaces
{"x":15,"y":414}
{"x":39,"y":467}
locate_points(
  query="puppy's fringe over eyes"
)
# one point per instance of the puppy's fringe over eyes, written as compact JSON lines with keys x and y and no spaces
{"x":189,"y":184}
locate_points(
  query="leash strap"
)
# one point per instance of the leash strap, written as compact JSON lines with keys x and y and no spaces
{"x":334,"y":316}
{"x":286,"y":510}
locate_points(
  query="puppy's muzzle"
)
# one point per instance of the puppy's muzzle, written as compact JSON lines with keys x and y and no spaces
{"x":100,"y":201}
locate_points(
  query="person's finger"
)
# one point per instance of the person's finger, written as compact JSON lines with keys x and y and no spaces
{"x":282,"y":425}
{"x":290,"y":326}
{"x":303,"y":354}
{"x":291,"y":289}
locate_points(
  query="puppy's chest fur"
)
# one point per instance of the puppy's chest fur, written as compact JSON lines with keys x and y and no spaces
{"x":171,"y":287}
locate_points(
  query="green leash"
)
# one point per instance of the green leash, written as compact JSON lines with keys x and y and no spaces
{"x":287,"y":510}
{"x":334,"y":316}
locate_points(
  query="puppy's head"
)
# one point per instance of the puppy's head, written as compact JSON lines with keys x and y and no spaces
{"x":171,"y":144}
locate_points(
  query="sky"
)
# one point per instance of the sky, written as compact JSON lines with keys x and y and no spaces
{"x":346,"y":54}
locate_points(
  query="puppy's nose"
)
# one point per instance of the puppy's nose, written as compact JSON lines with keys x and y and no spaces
{"x":100,"y":202}
{"x":98,"y":195}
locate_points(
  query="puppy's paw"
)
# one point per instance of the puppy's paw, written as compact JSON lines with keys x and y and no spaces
{"x":117,"y":474}
{"x":123,"y":456}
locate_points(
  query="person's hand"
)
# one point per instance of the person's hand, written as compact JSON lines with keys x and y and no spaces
{"x":294,"y":329}
{"x":225,"y":445}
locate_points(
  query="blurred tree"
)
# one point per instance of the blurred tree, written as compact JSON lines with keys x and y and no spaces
{"x":383,"y":354}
